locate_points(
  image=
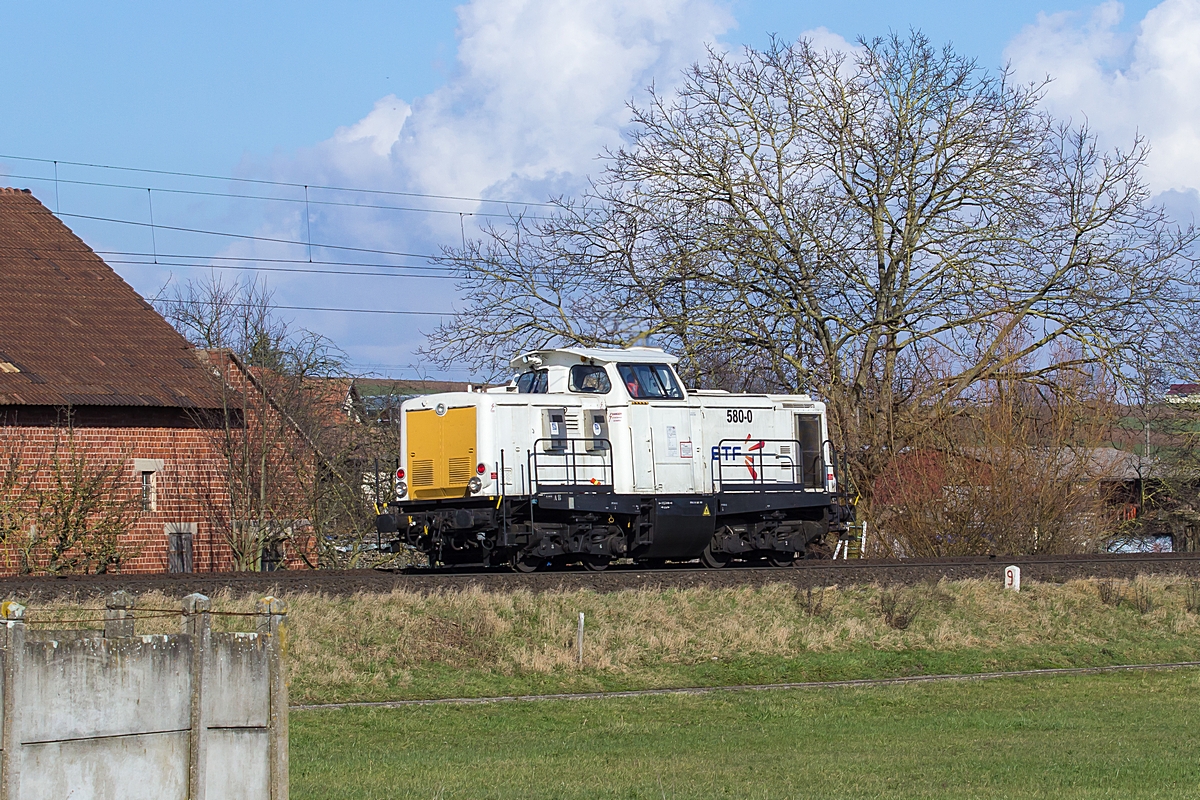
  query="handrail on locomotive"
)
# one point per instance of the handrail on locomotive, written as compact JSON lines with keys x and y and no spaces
{"x":570,"y":467}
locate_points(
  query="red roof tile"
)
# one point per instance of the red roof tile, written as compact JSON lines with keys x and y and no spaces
{"x":72,"y":332}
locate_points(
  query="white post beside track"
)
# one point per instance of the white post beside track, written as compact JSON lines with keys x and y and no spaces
{"x":579,"y":639}
{"x":1012,"y":578}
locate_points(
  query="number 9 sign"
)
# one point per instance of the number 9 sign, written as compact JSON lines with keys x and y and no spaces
{"x":1012,"y":578}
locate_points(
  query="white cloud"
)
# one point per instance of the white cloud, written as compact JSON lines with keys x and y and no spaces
{"x":1123,"y":84}
{"x":824,"y":39}
{"x":378,"y":130}
{"x":538,"y":91}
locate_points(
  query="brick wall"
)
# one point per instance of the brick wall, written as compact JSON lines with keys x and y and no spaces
{"x":185,"y":488}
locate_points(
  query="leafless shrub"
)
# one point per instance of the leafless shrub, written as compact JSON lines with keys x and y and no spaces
{"x":68,"y":512}
{"x":897,"y":606}
{"x":1111,"y":592}
{"x":1142,"y":597}
{"x":1191,"y":596}
{"x":1020,"y":469}
{"x":813,"y":602}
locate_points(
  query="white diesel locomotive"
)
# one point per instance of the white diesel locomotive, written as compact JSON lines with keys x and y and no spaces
{"x":590,"y":455}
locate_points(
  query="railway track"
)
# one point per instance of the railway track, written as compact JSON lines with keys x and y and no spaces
{"x":617,"y":578}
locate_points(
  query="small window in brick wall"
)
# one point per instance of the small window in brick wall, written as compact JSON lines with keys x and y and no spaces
{"x":149,"y":500}
{"x":147,"y":470}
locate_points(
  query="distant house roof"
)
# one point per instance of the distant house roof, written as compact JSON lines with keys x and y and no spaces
{"x":380,"y":398}
{"x":72,"y":332}
{"x":1183,"y":393}
{"x":375,"y":387}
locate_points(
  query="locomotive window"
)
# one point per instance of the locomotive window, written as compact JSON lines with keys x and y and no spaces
{"x":650,"y":380}
{"x":536,"y":382}
{"x":593,"y":380}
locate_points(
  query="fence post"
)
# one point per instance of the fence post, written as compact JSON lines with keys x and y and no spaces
{"x":272,"y":623}
{"x":197,"y":623}
{"x":13,"y":615}
{"x":118,"y":619}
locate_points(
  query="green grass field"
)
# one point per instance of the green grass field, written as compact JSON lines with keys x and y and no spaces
{"x":1125,"y":735}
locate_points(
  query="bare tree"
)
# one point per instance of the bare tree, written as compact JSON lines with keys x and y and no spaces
{"x":290,"y":456}
{"x":876,"y":227}
{"x":241,"y":315}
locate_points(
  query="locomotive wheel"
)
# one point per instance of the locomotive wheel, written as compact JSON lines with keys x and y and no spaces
{"x":596,"y":563}
{"x":781,"y":559}
{"x":714,"y":560}
{"x":526,"y":563}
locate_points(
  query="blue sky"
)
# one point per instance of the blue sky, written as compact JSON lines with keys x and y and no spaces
{"x":507,"y":99}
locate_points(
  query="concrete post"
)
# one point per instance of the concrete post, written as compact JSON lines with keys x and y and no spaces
{"x":272,"y":624}
{"x":13,"y":616}
{"x":118,"y":615}
{"x":197,"y":623}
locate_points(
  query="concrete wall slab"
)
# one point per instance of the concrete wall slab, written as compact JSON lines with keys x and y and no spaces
{"x":238,"y":766}
{"x":148,"y":767}
{"x":105,"y":687}
{"x":237,"y":694}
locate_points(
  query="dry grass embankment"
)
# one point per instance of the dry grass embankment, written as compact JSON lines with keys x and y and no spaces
{"x":404,"y":645}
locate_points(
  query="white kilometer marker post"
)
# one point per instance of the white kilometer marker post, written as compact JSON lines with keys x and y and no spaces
{"x":1012,"y":578}
{"x":579,"y":639}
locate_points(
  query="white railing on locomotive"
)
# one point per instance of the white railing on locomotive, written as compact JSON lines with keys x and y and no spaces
{"x":780,"y":463}
{"x":831,"y":481}
{"x":577,"y":463}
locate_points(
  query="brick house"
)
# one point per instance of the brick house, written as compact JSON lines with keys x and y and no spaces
{"x":98,"y":390}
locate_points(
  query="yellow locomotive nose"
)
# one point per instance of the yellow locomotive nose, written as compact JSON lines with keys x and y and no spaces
{"x":441,"y":452}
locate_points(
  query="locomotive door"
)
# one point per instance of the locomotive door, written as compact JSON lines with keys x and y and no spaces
{"x":673,"y":456}
{"x":642,"y":447}
{"x":811,"y":464}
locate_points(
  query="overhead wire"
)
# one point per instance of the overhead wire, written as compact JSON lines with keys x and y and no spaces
{"x":242,"y":263}
{"x":161,"y":260}
{"x":446,"y":272}
{"x":236,"y":196}
{"x":246,"y":236}
{"x":405,"y":312}
{"x":267,"y":182}
{"x":266,"y":260}
{"x":247,"y":268}
{"x":136,"y":258}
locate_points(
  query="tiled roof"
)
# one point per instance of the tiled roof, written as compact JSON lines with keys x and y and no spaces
{"x":1184,"y":388}
{"x":72,"y":332}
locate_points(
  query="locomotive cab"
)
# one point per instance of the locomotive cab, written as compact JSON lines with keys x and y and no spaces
{"x":633,"y":379}
{"x":591,"y":454}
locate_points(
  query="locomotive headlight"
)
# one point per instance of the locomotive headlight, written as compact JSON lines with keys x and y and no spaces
{"x":401,"y":488}
{"x":474,"y":485}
